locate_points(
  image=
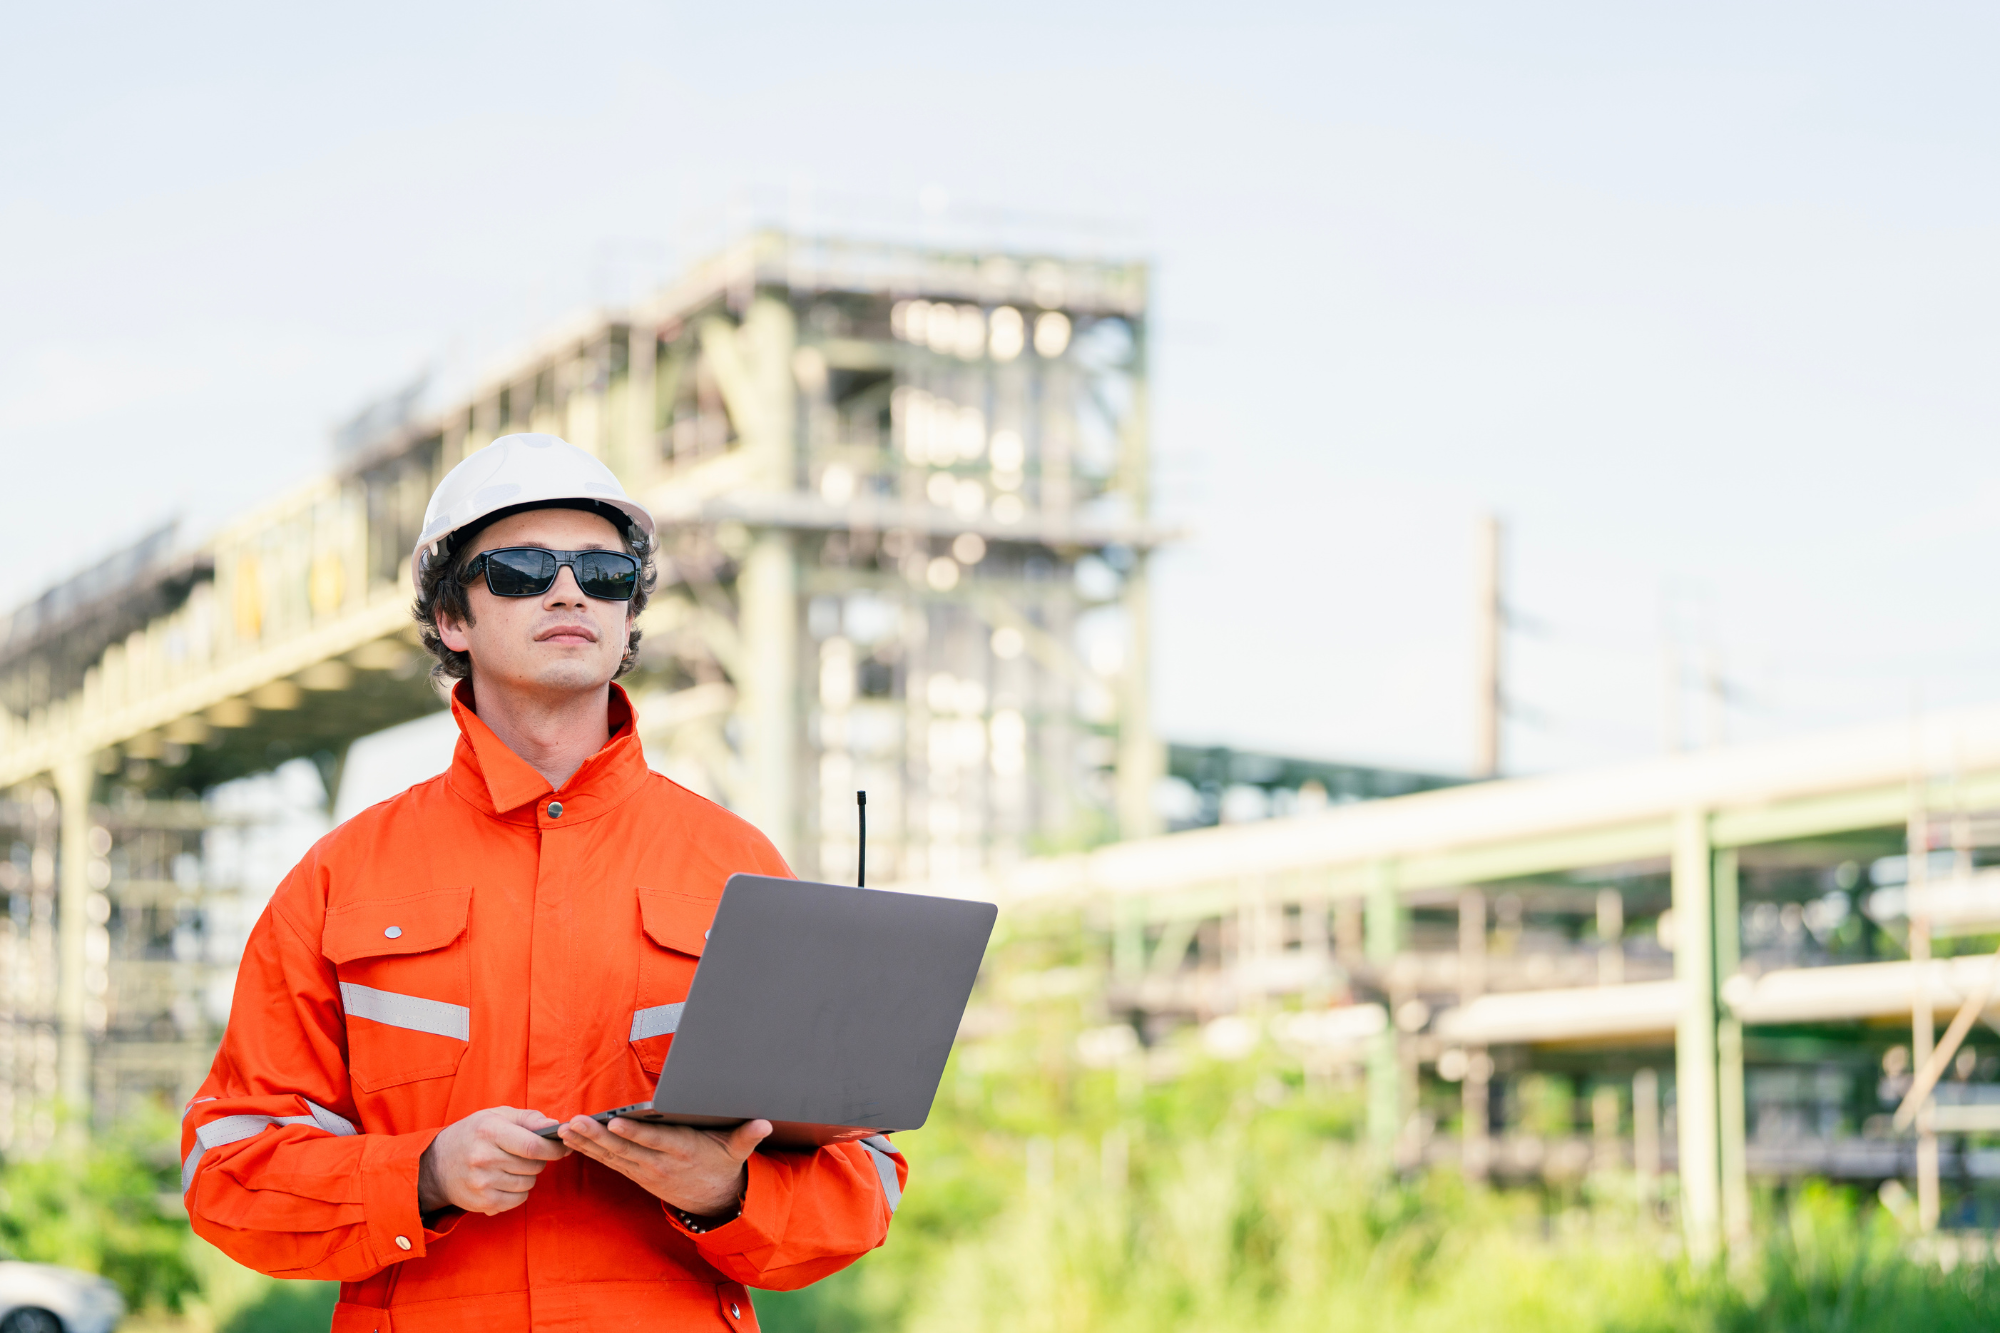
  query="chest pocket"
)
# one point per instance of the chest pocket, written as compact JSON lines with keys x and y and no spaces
{"x":676,"y":927}
{"x":405,"y":984}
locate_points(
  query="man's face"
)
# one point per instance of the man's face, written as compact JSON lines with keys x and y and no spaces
{"x":559,"y":643}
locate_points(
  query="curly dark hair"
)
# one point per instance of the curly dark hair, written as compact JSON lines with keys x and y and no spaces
{"x":441,"y":586}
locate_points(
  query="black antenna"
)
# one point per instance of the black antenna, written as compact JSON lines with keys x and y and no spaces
{"x":861,"y":859}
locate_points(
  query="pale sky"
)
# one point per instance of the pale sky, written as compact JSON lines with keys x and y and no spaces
{"x":1702,"y":298}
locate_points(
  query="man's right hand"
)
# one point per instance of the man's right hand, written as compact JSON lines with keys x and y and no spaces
{"x":487,"y":1162}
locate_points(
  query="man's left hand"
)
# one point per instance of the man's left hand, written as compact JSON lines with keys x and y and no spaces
{"x":700,"y":1171}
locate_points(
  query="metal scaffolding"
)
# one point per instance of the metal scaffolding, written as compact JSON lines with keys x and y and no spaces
{"x":127,"y":888}
{"x":907,"y":533}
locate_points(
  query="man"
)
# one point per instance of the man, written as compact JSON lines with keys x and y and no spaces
{"x":516,"y":935}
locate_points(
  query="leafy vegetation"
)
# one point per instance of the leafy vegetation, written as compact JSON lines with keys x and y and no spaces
{"x":1154,"y":1191}
{"x":99,"y":1207}
{"x":1268,"y":1222}
{"x":1178,"y":1191}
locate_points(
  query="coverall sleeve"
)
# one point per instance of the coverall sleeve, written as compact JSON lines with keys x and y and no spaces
{"x":807,"y":1214}
{"x":275,"y":1172}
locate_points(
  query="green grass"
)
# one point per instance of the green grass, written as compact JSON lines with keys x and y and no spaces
{"x":1233,"y":1231}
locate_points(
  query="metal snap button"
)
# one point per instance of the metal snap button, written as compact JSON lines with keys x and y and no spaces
{"x":555,"y":809}
{"x":735,"y":1313}
{"x":402,"y":1242}
{"x":394,"y":932}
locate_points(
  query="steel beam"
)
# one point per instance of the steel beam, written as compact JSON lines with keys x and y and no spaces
{"x":76,"y":725}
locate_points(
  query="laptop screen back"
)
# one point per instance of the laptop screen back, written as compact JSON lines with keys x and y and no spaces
{"x":824,"y":1004}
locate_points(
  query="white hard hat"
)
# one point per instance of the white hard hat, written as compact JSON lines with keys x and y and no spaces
{"x":515,"y":472}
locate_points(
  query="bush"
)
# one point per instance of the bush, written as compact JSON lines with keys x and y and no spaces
{"x":1235,"y":1199}
{"x":107,"y":1207}
{"x":286,"y":1307}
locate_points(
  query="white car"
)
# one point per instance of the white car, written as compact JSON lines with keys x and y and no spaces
{"x":42,"y":1298}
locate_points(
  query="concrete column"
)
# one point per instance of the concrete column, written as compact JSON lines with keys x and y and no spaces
{"x":768,"y":337}
{"x":768,"y":591}
{"x":1140,"y":761}
{"x":635,"y":458}
{"x":74,"y":776}
{"x":1489,"y":642}
{"x":1923,"y":1031}
{"x":1610,"y":937}
{"x":1646,"y":1134}
{"x":1128,"y":941}
{"x":1385,"y":933}
{"x":1476,"y":1091}
{"x":1695,"y":1093}
{"x":1732,"y":1149}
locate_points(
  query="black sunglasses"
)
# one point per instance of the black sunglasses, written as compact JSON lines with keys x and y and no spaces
{"x":530,"y":571}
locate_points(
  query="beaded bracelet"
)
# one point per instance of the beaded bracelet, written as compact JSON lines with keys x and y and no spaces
{"x":702,"y":1226}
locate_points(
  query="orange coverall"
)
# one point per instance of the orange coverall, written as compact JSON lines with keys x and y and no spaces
{"x":483,"y":941}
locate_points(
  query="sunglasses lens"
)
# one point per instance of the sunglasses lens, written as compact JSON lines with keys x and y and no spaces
{"x":608,"y":575}
{"x":519,"y":572}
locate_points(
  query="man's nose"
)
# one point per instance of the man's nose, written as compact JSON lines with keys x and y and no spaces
{"x":565,"y":591}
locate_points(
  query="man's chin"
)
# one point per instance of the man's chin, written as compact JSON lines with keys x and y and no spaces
{"x":574,"y":677}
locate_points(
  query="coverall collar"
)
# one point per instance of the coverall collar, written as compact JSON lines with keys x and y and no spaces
{"x":500,"y":783}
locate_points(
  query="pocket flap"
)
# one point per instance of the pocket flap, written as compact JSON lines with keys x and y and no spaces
{"x":381,"y":927}
{"x":676,"y":921}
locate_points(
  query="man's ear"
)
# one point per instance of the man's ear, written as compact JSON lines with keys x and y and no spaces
{"x":452,"y":634}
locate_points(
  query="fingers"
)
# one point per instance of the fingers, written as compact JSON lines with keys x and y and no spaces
{"x":660,"y":1138}
{"x":513,"y":1137}
{"x":490,"y":1188}
{"x":497,"y":1199}
{"x":687,"y":1141}
{"x":488,"y":1162}
{"x":743,"y":1140}
{"x":696,"y":1169}
{"x":606,"y":1143}
{"x":524,"y":1117}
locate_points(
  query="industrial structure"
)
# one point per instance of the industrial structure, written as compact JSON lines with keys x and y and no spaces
{"x":1716,"y":966}
{"x":905,"y":498}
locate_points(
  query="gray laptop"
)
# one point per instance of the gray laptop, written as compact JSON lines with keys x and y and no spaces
{"x":826,"y":1009}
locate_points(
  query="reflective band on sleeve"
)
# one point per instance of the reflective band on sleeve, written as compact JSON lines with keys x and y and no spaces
{"x":235,"y":1128}
{"x":330,"y":1121}
{"x":407,"y":1011}
{"x":659,"y":1021}
{"x":883,"y":1154}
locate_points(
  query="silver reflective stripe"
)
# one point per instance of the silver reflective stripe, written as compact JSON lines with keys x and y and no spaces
{"x":883,"y":1154}
{"x":330,"y":1121}
{"x":235,"y":1128}
{"x":659,"y":1021}
{"x":407,"y":1011}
